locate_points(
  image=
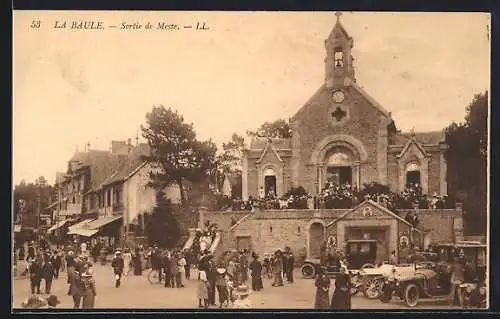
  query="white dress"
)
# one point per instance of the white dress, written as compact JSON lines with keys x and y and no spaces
{"x":127,"y":258}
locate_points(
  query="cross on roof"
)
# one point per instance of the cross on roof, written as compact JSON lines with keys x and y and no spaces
{"x":338,"y":14}
{"x":339,"y":114}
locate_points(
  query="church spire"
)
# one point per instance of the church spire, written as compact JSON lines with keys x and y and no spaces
{"x":338,"y":61}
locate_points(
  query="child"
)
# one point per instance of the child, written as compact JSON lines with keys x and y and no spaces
{"x":243,"y":301}
{"x":221,"y":282}
{"x":202,"y":289}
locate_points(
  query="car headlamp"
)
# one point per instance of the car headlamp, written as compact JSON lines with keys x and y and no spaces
{"x":468,"y":289}
{"x":482,"y":291}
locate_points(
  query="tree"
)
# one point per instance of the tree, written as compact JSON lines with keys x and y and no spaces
{"x":467,"y":143}
{"x":162,"y":228}
{"x":277,"y":129}
{"x":176,"y":152}
{"x":229,"y":161}
{"x":27,"y":198}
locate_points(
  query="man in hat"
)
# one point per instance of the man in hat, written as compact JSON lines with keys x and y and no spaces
{"x":156,"y":261}
{"x":75,"y":287}
{"x":277,"y":266}
{"x":47,"y":274}
{"x":211,"y":277}
{"x":118,"y":265}
{"x":35,"y":271}
{"x":243,"y":301}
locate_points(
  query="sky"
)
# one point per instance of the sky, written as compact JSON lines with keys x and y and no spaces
{"x":73,"y":87}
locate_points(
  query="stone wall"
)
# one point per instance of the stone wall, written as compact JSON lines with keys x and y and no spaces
{"x":272,"y":229}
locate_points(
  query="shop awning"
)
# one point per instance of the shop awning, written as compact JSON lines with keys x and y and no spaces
{"x":100,"y":222}
{"x":84,"y":232}
{"x":59,"y":224}
{"x":17,"y":228}
{"x":81,"y":225}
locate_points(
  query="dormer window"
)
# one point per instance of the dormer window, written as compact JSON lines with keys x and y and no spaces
{"x":339,"y":58}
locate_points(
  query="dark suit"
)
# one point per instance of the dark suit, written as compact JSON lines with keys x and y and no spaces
{"x":75,"y":288}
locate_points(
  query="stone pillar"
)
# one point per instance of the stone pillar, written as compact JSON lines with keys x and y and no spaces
{"x":320,"y":177}
{"x":356,"y":174}
{"x":294,"y":125}
{"x":443,"y":185}
{"x":382,"y":144}
{"x":244,"y":175}
{"x":458,"y":224}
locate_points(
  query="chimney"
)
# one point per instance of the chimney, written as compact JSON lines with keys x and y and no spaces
{"x":118,"y":146}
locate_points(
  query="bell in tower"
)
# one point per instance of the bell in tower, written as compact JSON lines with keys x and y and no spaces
{"x":338,"y":62}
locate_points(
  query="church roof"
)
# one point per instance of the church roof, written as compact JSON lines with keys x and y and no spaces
{"x":338,"y":27}
{"x":370,"y":99}
{"x":278,"y":143}
{"x":431,"y":137}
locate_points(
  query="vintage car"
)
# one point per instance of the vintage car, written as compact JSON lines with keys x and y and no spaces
{"x":429,"y":282}
{"x":372,"y":278}
{"x":360,"y":254}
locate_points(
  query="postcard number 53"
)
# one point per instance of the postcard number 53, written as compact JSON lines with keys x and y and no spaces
{"x":35,"y":24}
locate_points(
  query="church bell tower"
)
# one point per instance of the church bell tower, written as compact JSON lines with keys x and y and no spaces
{"x":338,"y":61}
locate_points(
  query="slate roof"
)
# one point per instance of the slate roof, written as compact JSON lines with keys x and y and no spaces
{"x":134,"y":161}
{"x":431,"y":137}
{"x":102,"y":164}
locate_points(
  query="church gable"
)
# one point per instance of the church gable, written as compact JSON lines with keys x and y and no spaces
{"x":369,"y":210}
{"x":269,"y":155}
{"x":413,"y":149}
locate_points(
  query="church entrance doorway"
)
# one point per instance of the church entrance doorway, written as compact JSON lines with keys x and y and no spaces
{"x":270,"y":185}
{"x":339,"y":175}
{"x":316,"y":238}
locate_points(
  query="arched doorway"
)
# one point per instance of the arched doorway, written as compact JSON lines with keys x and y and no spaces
{"x":339,"y":162}
{"x":316,"y":238}
{"x":413,"y":174}
{"x":270,"y":182}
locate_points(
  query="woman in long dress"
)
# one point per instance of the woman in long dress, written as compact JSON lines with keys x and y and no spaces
{"x":202,"y":289}
{"x":137,"y":262}
{"x":127,"y":260}
{"x":341,"y":298}
{"x":322,"y":283}
{"x":256,"y":273}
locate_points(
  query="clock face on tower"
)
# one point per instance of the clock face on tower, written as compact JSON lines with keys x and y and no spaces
{"x":338,"y":96}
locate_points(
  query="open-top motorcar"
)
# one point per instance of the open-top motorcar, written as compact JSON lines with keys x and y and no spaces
{"x":428,"y":281}
{"x":373,"y":278}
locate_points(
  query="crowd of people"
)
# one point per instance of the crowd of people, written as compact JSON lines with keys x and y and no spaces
{"x":343,"y":196}
{"x":227,"y":277}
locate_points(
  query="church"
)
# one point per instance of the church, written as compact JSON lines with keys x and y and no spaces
{"x":343,"y":135}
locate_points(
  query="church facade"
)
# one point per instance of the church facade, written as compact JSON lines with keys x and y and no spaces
{"x":343,"y":135}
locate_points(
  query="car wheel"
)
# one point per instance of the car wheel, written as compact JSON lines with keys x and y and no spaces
{"x":372,"y":288}
{"x":308,"y":271}
{"x":411,"y":295}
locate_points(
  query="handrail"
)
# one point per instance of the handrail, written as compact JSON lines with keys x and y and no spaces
{"x":242,"y":219}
